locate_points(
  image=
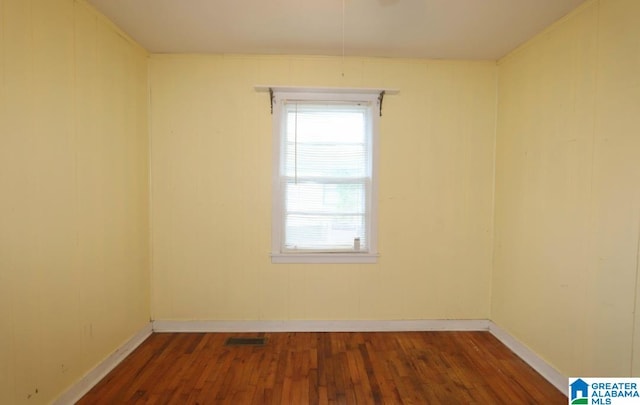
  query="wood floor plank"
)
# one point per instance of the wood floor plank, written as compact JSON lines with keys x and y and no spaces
{"x":324,"y":368}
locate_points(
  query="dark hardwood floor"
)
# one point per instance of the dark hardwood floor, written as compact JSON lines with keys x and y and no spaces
{"x":324,"y":368}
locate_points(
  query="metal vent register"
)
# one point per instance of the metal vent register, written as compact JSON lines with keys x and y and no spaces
{"x":245,"y":341}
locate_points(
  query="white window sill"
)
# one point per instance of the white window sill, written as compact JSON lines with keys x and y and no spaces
{"x":324,"y":258}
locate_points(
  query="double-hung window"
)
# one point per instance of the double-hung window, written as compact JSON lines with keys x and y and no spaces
{"x":324,"y":177}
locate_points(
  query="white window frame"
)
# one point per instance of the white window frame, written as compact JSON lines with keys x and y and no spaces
{"x":369,"y":97}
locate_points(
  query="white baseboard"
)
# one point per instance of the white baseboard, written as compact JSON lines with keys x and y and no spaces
{"x":322,"y":326}
{"x":536,"y":362}
{"x":82,"y":386}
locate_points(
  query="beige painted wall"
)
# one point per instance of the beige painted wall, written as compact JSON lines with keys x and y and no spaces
{"x":73,"y":195}
{"x":211,"y":192}
{"x":568,"y":192}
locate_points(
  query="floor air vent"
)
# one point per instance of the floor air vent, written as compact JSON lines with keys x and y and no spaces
{"x":242,"y":341}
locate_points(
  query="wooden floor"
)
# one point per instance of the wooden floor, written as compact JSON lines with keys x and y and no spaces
{"x":324,"y":368}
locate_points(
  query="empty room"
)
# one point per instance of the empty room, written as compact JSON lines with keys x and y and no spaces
{"x":337,"y":201}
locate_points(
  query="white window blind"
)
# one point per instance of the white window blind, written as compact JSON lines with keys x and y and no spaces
{"x":326,"y":177}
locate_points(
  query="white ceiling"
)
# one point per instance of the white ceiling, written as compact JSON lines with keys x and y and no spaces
{"x":439,"y":29}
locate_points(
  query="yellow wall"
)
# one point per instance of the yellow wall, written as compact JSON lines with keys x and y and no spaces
{"x":73,"y":195}
{"x":568,"y":192}
{"x":211,"y":192}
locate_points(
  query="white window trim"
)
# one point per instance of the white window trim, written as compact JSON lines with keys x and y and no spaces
{"x":324,"y":258}
{"x":364,"y":95}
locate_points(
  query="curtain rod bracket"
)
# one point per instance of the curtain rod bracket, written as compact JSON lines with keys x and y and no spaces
{"x":271,"y":98}
{"x":380,"y":98}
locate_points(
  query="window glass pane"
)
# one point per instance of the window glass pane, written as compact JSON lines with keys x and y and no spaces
{"x":325,"y":123}
{"x":326,"y":160}
{"x":342,"y":198}
{"x":325,"y":176}
{"x":330,"y":232}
